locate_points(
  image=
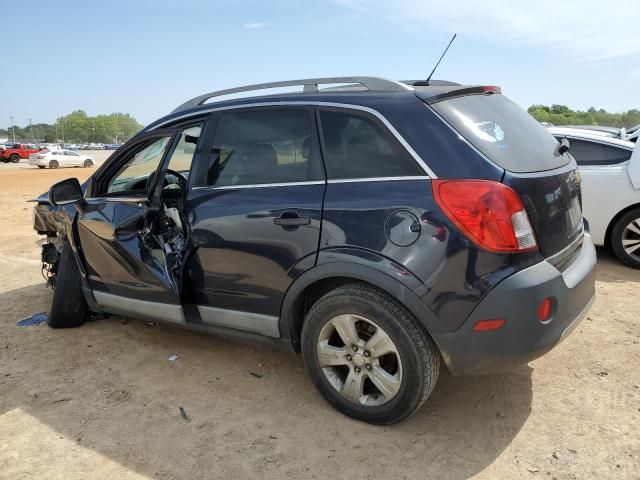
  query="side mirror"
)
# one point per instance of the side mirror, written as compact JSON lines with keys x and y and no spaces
{"x":65,"y":192}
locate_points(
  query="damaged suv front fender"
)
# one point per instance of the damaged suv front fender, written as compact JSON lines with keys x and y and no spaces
{"x":58,"y":223}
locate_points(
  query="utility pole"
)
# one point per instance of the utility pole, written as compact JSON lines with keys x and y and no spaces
{"x":62,"y":127}
{"x":57,"y":131}
{"x":13,"y":130}
{"x":33,"y":138}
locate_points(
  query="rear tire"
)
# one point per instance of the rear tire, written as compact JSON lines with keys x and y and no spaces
{"x":389,"y":369}
{"x":15,"y":158}
{"x":88,"y":163}
{"x":40,"y":166}
{"x":54,"y":164}
{"x":625,"y":238}
{"x":68,"y":306}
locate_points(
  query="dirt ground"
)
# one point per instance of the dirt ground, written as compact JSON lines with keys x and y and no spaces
{"x":103,"y":401}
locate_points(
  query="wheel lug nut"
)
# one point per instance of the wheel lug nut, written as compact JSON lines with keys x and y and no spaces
{"x":368,"y":366}
{"x":366,"y":353}
{"x":355,"y":347}
{"x":348,"y":357}
{"x":357,"y":369}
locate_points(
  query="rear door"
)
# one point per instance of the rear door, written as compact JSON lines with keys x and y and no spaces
{"x":72,"y":158}
{"x":255,"y":208}
{"x":64,"y":159}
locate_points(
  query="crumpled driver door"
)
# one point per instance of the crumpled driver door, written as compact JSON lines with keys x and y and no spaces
{"x":121,"y":235}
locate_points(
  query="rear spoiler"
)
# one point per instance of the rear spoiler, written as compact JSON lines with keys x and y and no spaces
{"x":461,"y":92}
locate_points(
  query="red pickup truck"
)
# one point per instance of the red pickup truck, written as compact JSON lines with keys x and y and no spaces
{"x":14,"y":152}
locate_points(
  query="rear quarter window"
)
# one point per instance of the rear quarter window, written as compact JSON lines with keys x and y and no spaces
{"x":502,"y":131}
{"x":357,"y":146}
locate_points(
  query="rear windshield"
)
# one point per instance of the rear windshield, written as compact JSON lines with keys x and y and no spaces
{"x":505,"y":133}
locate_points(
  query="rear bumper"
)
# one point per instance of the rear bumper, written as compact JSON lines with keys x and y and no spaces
{"x":516,"y":299}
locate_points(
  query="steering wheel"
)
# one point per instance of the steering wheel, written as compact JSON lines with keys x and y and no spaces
{"x":182,"y":180}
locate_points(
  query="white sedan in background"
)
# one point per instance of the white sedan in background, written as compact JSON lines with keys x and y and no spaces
{"x":609,"y":163}
{"x":60,"y":158}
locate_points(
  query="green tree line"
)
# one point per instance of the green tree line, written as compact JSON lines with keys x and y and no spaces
{"x":563,"y":115}
{"x":78,"y":127}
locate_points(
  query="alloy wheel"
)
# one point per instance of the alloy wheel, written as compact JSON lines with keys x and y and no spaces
{"x":631,"y":239}
{"x":359,"y":360}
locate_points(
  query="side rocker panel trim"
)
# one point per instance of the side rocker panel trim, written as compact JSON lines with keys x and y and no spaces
{"x":245,"y":321}
{"x":141,"y":309}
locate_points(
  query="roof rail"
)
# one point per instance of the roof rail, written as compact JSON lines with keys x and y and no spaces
{"x":310,"y":85}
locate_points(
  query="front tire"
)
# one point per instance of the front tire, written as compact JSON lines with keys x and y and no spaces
{"x":368,"y":356}
{"x":54,"y":164}
{"x":40,"y":166}
{"x":625,"y":238}
{"x":88,"y":163}
{"x":68,"y":306}
{"x":15,"y":158}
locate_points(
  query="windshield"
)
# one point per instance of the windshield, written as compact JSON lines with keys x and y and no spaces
{"x":501,"y":130}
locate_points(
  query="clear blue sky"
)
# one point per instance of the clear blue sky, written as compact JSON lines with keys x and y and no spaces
{"x":145,"y":57}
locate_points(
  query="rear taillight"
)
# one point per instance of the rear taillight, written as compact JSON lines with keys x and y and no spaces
{"x":489,"y":213}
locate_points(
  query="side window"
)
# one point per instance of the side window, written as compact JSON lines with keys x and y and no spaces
{"x":264,"y":146}
{"x":182,"y":155}
{"x":593,"y":153}
{"x":133,"y":175}
{"x":357,"y":146}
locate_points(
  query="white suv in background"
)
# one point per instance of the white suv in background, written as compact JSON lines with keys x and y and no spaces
{"x":609,"y":163}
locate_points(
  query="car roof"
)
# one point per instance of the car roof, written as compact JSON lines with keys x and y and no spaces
{"x":594,"y":135}
{"x":352,"y":94}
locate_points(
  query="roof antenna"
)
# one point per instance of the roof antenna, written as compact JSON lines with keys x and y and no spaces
{"x":441,"y":57}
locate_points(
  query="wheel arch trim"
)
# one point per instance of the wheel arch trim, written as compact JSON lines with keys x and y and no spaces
{"x":290,"y":321}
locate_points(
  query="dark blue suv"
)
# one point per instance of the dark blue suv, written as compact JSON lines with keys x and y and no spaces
{"x":381,"y":228}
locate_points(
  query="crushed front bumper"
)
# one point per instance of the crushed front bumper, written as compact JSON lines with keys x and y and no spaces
{"x":47,"y":219}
